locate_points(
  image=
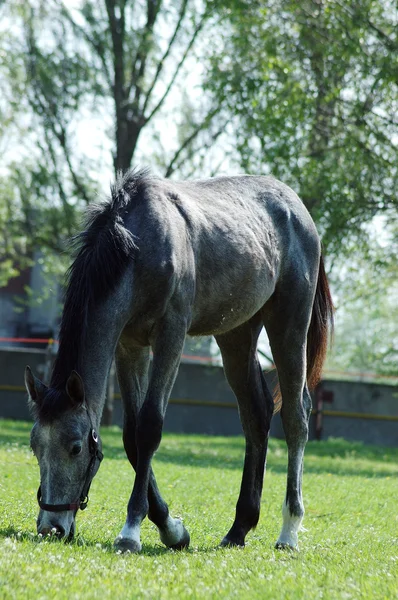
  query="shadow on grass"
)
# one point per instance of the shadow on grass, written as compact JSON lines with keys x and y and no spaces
{"x":335,"y":456}
{"x":15,"y":432}
{"x":80,"y":542}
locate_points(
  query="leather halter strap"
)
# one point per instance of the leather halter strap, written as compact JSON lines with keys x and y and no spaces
{"x":56,"y":507}
{"x":96,"y":458}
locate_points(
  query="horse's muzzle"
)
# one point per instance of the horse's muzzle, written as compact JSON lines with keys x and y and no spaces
{"x":51,"y":527}
{"x":56,"y":531}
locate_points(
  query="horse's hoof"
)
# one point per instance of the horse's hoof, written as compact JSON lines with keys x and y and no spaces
{"x":285,"y":546}
{"x":124,"y":545}
{"x":174,"y":535}
{"x":182,"y":543}
{"x":228,"y":543}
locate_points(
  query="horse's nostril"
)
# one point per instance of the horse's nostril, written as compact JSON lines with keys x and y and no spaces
{"x":57,"y":531}
{"x":60,"y":531}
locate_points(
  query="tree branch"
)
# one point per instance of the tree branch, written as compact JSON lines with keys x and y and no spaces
{"x":388,"y":42}
{"x":178,"y":68}
{"x":170,"y":169}
{"x":166,"y":54}
{"x":75,"y":178}
{"x":153,"y":7}
{"x":204,"y":147}
{"x":117,"y":27}
{"x":97,"y":46}
{"x":49,"y":111}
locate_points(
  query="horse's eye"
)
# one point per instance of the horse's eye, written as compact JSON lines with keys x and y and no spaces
{"x":76,"y":449}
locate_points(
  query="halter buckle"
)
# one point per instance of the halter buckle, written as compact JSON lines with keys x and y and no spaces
{"x":83,"y":503}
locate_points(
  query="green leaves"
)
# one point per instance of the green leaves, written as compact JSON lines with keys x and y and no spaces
{"x":311,"y":85}
{"x":366,"y":336}
{"x":81,"y":85}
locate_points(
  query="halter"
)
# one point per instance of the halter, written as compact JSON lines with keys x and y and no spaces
{"x":93,"y":466}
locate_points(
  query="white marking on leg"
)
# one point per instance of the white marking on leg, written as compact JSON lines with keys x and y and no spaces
{"x":172,"y":532}
{"x":130,"y":532}
{"x":290,"y":528}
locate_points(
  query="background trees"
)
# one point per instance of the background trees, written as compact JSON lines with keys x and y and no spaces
{"x":306,"y":90}
{"x":87,"y":83}
{"x":366,"y":294}
{"x":313,"y":86}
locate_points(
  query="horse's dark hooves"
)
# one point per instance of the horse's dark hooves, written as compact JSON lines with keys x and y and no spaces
{"x":183,"y":543}
{"x":174,"y":535}
{"x":285,"y":546}
{"x":228,"y":543}
{"x":126,"y":545}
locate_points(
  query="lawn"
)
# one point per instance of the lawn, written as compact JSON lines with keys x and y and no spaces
{"x":349,"y":548}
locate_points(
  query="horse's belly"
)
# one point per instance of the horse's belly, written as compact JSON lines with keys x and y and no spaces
{"x":221,"y":308}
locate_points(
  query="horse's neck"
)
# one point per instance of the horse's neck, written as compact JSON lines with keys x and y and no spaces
{"x":95,"y":363}
{"x":94,"y":357}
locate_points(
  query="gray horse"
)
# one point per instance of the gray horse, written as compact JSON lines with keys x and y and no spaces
{"x":157,"y":261}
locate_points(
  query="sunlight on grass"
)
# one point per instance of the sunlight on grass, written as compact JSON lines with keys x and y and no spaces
{"x":350,"y":548}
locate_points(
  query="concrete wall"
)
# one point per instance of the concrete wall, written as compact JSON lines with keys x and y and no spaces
{"x":43,"y":316}
{"x":363,"y":399}
{"x":202,"y":402}
{"x":31,"y":319}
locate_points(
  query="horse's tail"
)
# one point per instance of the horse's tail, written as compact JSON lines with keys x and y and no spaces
{"x":320,"y":326}
{"x":317,"y":337}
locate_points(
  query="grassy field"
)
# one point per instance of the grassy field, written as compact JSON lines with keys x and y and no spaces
{"x":350,"y":548}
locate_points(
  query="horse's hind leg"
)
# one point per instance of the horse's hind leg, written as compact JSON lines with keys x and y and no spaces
{"x":286,"y":318}
{"x":132,"y":367}
{"x":244,"y":374}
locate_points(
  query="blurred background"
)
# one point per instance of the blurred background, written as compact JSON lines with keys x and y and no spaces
{"x":305,"y":91}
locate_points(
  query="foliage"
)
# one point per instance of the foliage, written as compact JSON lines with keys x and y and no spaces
{"x":313,"y":89}
{"x":349,"y":550}
{"x":306,"y":90}
{"x":84,"y":84}
{"x":366,"y":337}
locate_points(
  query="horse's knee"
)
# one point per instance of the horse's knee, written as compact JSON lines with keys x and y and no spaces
{"x":295,"y":421}
{"x":248,"y":509}
{"x":149,"y":428}
{"x":256,"y":419}
{"x":260,"y":431}
{"x":129,"y":443}
{"x":307,"y":403}
{"x":297,"y":435}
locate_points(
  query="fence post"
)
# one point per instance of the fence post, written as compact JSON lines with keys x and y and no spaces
{"x":318,"y":411}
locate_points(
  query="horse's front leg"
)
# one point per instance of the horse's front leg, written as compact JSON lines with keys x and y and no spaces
{"x":132,"y":370}
{"x":167,"y":349}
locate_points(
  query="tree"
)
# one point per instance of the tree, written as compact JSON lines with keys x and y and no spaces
{"x":116,"y":65}
{"x":366,"y":337}
{"x":312,"y":86}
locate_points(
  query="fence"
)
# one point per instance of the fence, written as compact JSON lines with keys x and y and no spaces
{"x":202,"y":402}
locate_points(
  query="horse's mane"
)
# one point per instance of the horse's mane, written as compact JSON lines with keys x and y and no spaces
{"x":103,"y":251}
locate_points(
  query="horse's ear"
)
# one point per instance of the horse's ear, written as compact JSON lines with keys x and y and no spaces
{"x":75,"y":388}
{"x":36,"y":388}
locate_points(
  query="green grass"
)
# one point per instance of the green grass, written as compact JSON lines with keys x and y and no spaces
{"x":350,"y":548}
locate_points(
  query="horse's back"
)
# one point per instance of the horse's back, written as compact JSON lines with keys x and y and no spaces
{"x":225,"y":242}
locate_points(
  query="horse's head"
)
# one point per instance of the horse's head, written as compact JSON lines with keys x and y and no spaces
{"x":68,"y":451}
